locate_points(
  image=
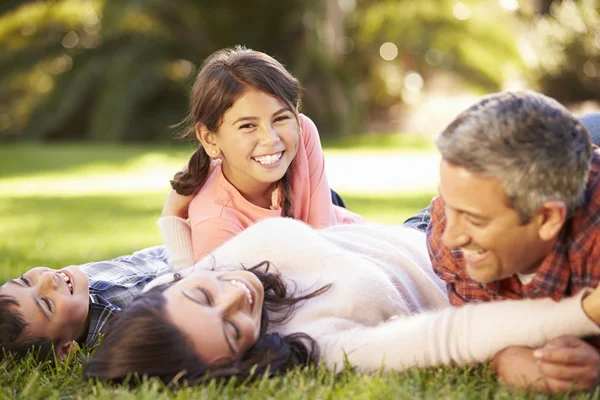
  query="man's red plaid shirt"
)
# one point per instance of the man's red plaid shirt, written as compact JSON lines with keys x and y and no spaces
{"x":573,"y":264}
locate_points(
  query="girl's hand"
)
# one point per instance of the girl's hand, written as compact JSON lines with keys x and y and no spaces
{"x":176,"y":205}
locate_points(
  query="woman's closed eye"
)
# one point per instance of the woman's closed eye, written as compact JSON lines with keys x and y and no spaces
{"x":26,"y":281}
{"x":232,"y":330}
{"x":199,"y":295}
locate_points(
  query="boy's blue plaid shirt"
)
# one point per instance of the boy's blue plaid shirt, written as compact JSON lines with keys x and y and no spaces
{"x":114,"y":283}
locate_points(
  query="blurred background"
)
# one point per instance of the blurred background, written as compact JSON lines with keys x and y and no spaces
{"x":121,"y":70}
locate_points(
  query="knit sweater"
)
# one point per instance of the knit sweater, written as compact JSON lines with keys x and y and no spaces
{"x":385,"y":307}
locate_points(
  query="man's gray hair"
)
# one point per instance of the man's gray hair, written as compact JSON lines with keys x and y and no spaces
{"x":529,"y":142}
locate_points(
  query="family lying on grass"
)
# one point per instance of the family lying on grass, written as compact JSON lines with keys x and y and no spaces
{"x":237,"y":291}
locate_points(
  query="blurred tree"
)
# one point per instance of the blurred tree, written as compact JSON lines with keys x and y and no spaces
{"x":400,"y":44}
{"x":566,"y":50}
{"x":122,"y":70}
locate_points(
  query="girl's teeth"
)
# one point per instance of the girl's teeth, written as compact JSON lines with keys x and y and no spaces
{"x":269,"y":159}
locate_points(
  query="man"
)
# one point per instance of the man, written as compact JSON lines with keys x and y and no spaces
{"x":518,"y":216}
{"x":50,"y":309}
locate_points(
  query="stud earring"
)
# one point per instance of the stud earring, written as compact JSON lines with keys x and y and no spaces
{"x":214,"y":152}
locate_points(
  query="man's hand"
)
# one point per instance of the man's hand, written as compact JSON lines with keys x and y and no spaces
{"x":516,"y":367}
{"x":568,"y":363}
{"x":176,"y":205}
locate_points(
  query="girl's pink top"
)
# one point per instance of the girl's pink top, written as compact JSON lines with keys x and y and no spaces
{"x":219,"y":211}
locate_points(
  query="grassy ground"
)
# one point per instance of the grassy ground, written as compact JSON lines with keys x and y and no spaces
{"x":71,"y":204}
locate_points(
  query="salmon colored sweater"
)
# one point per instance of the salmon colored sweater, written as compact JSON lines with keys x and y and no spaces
{"x":219,"y":211}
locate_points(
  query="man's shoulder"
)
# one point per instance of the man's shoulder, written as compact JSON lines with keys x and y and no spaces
{"x":585,"y":224}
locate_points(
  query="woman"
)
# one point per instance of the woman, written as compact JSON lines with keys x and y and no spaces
{"x":348,"y":292}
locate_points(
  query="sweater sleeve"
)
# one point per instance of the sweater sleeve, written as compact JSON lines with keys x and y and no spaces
{"x":472,"y":333}
{"x":176,"y":235}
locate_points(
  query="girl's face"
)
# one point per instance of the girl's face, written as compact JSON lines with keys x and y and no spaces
{"x":219,"y":313}
{"x":258,"y":139}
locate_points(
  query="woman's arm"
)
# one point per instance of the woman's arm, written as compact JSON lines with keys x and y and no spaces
{"x":472,"y":333}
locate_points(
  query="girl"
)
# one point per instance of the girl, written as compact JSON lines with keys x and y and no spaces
{"x":362,"y":293}
{"x":258,"y":157}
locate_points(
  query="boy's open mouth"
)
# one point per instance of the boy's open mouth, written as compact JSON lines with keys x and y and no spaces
{"x":67,"y":280}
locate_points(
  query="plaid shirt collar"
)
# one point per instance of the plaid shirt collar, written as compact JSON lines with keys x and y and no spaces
{"x":101,"y":315}
{"x":114,"y":283}
{"x":571,"y":265}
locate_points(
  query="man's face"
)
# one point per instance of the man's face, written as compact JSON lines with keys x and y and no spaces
{"x":494,"y":243}
{"x":54,"y":303}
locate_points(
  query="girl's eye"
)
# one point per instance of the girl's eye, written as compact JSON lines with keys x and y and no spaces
{"x":233,"y":330}
{"x":282,"y":118}
{"x":48,"y":304}
{"x":247,"y":126}
{"x":25,"y":280}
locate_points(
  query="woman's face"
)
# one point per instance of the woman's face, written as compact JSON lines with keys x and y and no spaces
{"x":218,"y":312}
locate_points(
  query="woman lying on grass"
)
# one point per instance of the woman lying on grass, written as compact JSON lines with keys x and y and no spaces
{"x":364,"y":293}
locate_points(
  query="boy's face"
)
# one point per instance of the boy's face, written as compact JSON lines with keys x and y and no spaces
{"x":54,"y":303}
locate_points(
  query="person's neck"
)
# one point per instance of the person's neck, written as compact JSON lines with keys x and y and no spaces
{"x":262,"y":198}
{"x":259,"y":194}
{"x":85,"y":328}
{"x":544,"y":252}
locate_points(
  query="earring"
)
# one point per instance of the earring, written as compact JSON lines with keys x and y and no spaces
{"x":214,"y":152}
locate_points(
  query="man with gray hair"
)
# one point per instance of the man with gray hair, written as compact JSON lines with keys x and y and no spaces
{"x":518,"y":216}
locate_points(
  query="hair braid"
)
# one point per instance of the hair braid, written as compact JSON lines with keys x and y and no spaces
{"x":188,"y":181}
{"x":287,"y":197}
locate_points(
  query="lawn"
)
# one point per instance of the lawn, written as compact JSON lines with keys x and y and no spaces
{"x":69,"y":204}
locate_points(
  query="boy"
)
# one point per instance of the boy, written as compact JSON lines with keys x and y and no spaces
{"x":46,"y":309}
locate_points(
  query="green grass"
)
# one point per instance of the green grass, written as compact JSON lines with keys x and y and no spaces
{"x":380,"y":142}
{"x":56,"y":210}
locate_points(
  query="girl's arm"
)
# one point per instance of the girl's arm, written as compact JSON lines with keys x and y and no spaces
{"x":472,"y":333}
{"x":175,"y":230}
{"x":177,"y":237}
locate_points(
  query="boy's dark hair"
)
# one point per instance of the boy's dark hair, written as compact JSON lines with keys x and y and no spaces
{"x":13,"y":327}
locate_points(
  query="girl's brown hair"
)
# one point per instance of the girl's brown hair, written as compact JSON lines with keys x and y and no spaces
{"x":224,"y":76}
{"x":143,"y":341}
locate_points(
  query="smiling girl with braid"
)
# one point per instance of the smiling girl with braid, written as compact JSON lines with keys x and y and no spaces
{"x":258,"y":157}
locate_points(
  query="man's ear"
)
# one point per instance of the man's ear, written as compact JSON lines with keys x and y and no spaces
{"x":552,"y":216}
{"x":207,"y":140}
{"x":64,"y":349}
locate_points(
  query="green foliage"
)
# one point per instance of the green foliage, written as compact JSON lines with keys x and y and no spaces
{"x":567,"y":49}
{"x":430,"y":38}
{"x":122,"y":70}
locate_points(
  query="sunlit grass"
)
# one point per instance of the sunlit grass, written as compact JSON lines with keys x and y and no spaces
{"x":70,"y":204}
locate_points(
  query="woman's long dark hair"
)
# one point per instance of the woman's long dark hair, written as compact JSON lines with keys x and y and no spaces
{"x":224,"y":76}
{"x":143,"y":341}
